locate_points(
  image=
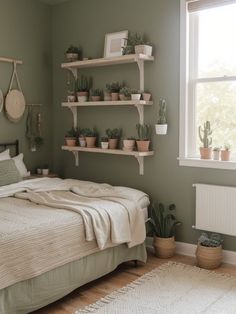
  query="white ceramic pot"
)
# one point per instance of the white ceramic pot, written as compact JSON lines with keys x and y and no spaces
{"x":128,"y":145}
{"x":216,"y":154}
{"x":82,"y":142}
{"x":82,"y":98}
{"x":39,"y":171}
{"x":161,"y":129}
{"x":135,"y":96}
{"x":71,"y":98}
{"x":143,"y":49}
{"x":45,"y":172}
{"x":104,"y":145}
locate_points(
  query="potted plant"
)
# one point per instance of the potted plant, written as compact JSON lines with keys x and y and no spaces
{"x":225,"y":153}
{"x":104,"y":142}
{"x":90,"y":137}
{"x":72,"y":53}
{"x":143,"y":141}
{"x":204,"y":135}
{"x":71,"y":97}
{"x":146,"y":95}
{"x":114,"y":88}
{"x":161,"y":126}
{"x":84,"y":85}
{"x":107,"y":93}
{"x":162,"y":225}
{"x":96,"y":94}
{"x":82,"y":140}
{"x":128,"y":144}
{"x":135,"y":94}
{"x":216,"y":153}
{"x":113,"y":137}
{"x":209,"y":251}
{"x":125,"y":93}
{"x":137,"y":44}
{"x":45,"y":170}
{"x":71,"y":137}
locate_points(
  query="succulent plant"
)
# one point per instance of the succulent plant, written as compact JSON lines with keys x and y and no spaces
{"x":135,"y":91}
{"x":73,"y":49}
{"x":204,"y":134}
{"x":162,"y":112}
{"x":216,"y":149}
{"x":214,"y":240}
{"x":144,"y":131}
{"x":73,"y":132}
{"x":133,"y":40}
{"x":125,"y":91}
{"x":227,"y":147}
{"x":114,"y":133}
{"x":96,"y":92}
{"x":84,"y":84}
{"x":90,"y":132}
{"x":115,"y":87}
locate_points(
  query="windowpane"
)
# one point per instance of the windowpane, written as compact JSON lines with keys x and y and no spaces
{"x":217,"y":44}
{"x":216,"y":102}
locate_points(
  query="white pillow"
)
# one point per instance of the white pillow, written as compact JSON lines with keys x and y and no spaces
{"x":5,"y":155}
{"x":20,"y":165}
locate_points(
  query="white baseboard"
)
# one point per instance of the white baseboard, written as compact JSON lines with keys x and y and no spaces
{"x":188,"y":249}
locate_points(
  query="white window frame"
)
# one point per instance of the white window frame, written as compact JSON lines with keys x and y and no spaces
{"x":187,"y":134}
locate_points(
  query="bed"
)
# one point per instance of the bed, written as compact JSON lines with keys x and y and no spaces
{"x":54,"y":237}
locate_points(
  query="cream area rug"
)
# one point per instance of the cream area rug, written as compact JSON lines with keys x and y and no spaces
{"x":172,"y":288}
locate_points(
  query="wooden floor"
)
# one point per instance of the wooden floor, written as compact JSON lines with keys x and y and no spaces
{"x":126,"y":273}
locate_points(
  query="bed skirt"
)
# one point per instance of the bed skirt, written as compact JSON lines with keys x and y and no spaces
{"x":35,"y":293}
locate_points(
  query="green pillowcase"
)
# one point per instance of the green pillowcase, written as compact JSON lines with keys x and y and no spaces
{"x":8,"y":172}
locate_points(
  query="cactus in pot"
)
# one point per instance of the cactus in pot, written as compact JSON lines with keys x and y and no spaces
{"x":143,"y":141}
{"x":204,"y":135}
{"x":225,"y":153}
{"x":161,"y":126}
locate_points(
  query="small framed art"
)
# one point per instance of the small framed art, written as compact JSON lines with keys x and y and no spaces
{"x":114,"y":43}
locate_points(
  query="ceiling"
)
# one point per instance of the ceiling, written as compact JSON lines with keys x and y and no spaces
{"x":53,"y":2}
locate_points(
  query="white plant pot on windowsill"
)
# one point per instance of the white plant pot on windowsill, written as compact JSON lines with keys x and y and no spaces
{"x":161,"y":129}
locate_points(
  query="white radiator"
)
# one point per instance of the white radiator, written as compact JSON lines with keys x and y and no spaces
{"x":216,"y":208}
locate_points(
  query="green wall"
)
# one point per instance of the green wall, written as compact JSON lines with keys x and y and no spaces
{"x":25,"y":34}
{"x":85,"y":23}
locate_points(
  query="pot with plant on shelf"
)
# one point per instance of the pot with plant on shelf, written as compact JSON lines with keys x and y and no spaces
{"x":137,"y":44}
{"x":113,"y":137}
{"x":144,"y":133}
{"x":161,"y":126}
{"x":82,"y":140}
{"x":216,"y":153}
{"x":107,"y":93}
{"x":84,"y":85}
{"x":90,"y":137}
{"x":135,"y":94}
{"x":204,"y":136}
{"x":129,"y":144}
{"x":161,"y":225}
{"x":96,"y":94}
{"x":225,"y":153}
{"x":146,"y":95}
{"x":114,"y":89}
{"x":73,"y":53}
{"x":71,"y":137}
{"x":104,"y":142}
{"x":125,"y":93}
{"x":209,"y":251}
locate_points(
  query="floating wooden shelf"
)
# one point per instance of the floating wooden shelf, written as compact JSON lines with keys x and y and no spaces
{"x":138,"y":155}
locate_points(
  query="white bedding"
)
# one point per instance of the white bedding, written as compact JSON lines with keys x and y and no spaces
{"x":37,"y":238}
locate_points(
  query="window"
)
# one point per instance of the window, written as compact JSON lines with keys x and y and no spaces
{"x":208,"y":78}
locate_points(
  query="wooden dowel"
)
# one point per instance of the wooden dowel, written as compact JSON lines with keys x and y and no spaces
{"x":8,"y":60}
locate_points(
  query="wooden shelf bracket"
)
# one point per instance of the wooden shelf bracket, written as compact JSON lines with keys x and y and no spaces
{"x":140,"y":112}
{"x":76,"y":155}
{"x":140,"y":160}
{"x":75,"y":115}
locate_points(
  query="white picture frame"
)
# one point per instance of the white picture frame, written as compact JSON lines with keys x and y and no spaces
{"x":114,"y":43}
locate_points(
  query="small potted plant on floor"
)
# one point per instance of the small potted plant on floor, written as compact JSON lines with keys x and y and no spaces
{"x":143,"y":141}
{"x":104,"y":142}
{"x":128,"y":144}
{"x":204,"y":135}
{"x":113,"y":137}
{"x":84,"y":85}
{"x":71,"y":137}
{"x":209,"y":251}
{"x":135,"y":94}
{"x":216,"y":153}
{"x":225,"y":153}
{"x":72,"y":53}
{"x":90,"y":137}
{"x":162,"y":225}
{"x":82,"y":140}
{"x":96,"y":94}
{"x":161,"y":126}
{"x":146,"y":95}
{"x":125,"y":93}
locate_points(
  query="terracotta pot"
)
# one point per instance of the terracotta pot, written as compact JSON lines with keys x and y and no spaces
{"x":206,"y":152}
{"x":91,"y":141}
{"x":143,"y":146}
{"x":209,"y":257}
{"x":164,"y":247}
{"x":146,"y":96}
{"x":113,"y":142}
{"x":128,"y":145}
{"x":96,"y":98}
{"x":225,"y":155}
{"x":70,"y":141}
{"x":114,"y":96}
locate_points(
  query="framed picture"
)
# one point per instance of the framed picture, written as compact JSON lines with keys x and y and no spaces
{"x":114,"y":43}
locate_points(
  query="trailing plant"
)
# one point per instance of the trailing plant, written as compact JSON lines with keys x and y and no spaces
{"x":133,"y":40}
{"x":162,"y":112}
{"x":84,"y":84}
{"x":73,"y":132}
{"x":214,"y":240}
{"x":104,"y":139}
{"x":90,"y":132}
{"x":204,"y":134}
{"x":73,"y":49}
{"x":114,"y":133}
{"x":96,"y":92}
{"x":115,"y":87}
{"x":144,"y":131}
{"x":125,"y":91}
{"x":163,"y":222}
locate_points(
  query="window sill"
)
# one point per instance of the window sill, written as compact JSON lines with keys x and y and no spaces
{"x":215,"y":164}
